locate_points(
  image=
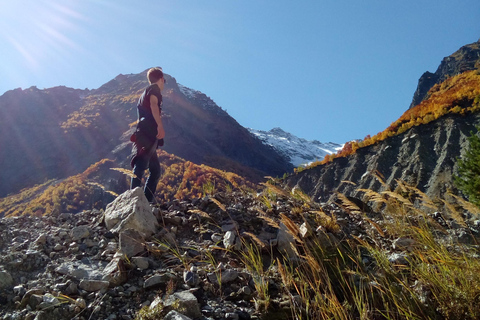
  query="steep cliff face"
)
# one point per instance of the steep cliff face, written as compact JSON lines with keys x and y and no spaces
{"x":465,"y":59}
{"x":424,"y":157}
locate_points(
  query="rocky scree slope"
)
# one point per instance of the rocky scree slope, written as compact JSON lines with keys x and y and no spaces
{"x":71,"y":266}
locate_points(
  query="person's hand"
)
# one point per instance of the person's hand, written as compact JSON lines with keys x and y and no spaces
{"x":160,"y":133}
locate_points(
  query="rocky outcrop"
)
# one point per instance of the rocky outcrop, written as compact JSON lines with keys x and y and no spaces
{"x":424,"y":157}
{"x":130,"y":210}
{"x":465,"y":59}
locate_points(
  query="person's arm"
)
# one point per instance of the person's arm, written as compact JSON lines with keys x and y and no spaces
{"x":157,"y":116}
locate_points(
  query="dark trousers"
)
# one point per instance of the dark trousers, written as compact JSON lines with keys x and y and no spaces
{"x":143,"y":161}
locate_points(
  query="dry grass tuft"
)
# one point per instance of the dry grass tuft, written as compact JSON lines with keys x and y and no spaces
{"x":355,"y":279}
{"x":219,"y":204}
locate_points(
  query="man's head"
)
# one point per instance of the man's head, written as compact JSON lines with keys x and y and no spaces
{"x":155,"y":74}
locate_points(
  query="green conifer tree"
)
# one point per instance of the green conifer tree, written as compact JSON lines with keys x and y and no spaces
{"x":468,"y":179}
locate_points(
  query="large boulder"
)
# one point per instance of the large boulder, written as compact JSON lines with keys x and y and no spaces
{"x":131,"y":210}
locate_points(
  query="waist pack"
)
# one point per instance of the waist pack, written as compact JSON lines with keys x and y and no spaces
{"x":145,"y":134}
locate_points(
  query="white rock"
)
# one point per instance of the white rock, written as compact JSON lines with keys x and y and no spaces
{"x":175,"y":315}
{"x":50,"y":298}
{"x":131,"y":210}
{"x":229,"y":239}
{"x":305,"y":230}
{"x":398,"y":259}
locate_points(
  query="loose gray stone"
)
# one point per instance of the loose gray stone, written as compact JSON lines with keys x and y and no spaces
{"x":80,"y":270}
{"x":140,"y":262}
{"x":229,"y":227}
{"x":191,"y":279}
{"x":93,"y":285}
{"x":245,"y":290}
{"x":157,"y":280}
{"x":6,"y":280}
{"x":216,"y":237}
{"x":185,"y":302}
{"x":225,"y":276}
{"x":34,"y":300}
{"x":81,"y":303}
{"x":131,"y":242}
{"x":28,"y":294}
{"x":19,"y":290}
{"x":79,"y":233}
{"x":115,"y":273}
{"x":403,"y":243}
{"x":285,"y":241}
{"x":41,"y":239}
{"x":231,"y":316}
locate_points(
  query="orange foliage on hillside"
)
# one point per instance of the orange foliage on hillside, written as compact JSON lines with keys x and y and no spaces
{"x":459,"y":94}
{"x":73,"y":194}
{"x":183,"y":179}
{"x":180,"y":180}
{"x":95,"y":106}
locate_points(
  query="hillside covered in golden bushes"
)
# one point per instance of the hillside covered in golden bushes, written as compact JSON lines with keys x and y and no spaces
{"x":101,"y":182}
{"x":459,"y":95}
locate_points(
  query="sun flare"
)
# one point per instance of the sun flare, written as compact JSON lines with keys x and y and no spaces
{"x":38,"y":32}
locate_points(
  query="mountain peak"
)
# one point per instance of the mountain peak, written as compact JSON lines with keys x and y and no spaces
{"x":278,"y":131}
{"x":464,"y":59}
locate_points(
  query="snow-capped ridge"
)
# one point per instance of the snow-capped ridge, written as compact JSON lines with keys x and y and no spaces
{"x":300,"y":151}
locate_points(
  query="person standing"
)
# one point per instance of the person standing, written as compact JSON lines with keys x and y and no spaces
{"x":149,"y":134}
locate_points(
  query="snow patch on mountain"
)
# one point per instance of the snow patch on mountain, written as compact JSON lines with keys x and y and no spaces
{"x":189,"y":93}
{"x":300,"y":151}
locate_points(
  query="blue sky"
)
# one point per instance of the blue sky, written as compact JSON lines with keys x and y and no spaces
{"x":326,"y":70}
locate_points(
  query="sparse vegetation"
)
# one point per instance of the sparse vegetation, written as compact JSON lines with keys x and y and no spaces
{"x":468,"y":179}
{"x":180,"y":180}
{"x":73,"y":194}
{"x":359,"y":278}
